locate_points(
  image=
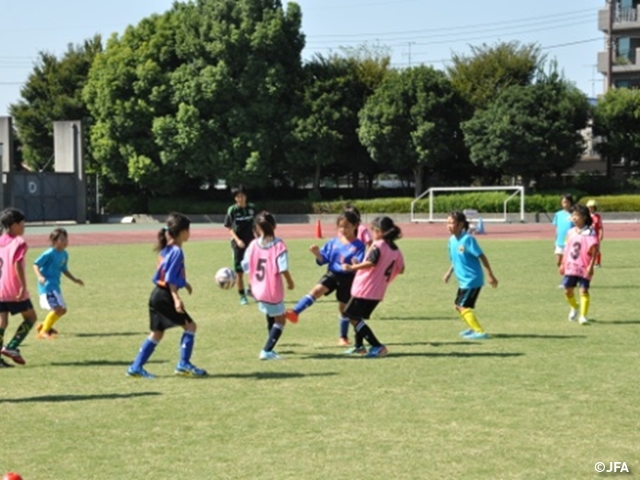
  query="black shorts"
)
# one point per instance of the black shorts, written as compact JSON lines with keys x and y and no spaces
{"x":162,"y":311}
{"x":466,"y":297}
{"x":360,"y":308}
{"x":238,"y":256}
{"x":571,"y":281}
{"x":338,"y":282}
{"x":16,"y":307}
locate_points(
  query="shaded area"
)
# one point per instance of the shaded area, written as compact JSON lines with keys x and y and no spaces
{"x":324,"y":356}
{"x":272,"y":375}
{"x":99,"y":363}
{"x":109,"y":334}
{"x":535,"y":335}
{"x":79,"y":398}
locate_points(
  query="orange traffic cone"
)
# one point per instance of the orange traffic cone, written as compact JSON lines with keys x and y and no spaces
{"x":318,"y":229}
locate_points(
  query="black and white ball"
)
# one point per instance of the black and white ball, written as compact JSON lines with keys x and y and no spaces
{"x":225,"y":278}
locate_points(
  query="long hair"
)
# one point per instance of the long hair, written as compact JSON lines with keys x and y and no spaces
{"x":569,"y":197}
{"x":266,"y":222}
{"x":460,"y":217}
{"x":10,"y":216}
{"x":176,"y":223}
{"x":584,"y":212}
{"x":390,"y":231}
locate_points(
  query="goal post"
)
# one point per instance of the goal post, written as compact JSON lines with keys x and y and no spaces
{"x":517,"y":191}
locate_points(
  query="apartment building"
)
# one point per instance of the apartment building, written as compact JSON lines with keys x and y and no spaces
{"x":625,"y":65}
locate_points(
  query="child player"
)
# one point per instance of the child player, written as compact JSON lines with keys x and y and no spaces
{"x":597,"y":227}
{"x":267,"y":261}
{"x":49,"y":266}
{"x":562,"y":222}
{"x":577,"y":265}
{"x":382,"y":263}
{"x":466,"y":258}
{"x":343,"y":248}
{"x":239,"y":220}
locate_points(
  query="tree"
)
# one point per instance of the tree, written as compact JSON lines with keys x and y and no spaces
{"x":204,"y":91}
{"x":52,"y":92}
{"x":412,"y":122}
{"x":617,"y":123}
{"x":530,"y":131}
{"x":480,"y":77}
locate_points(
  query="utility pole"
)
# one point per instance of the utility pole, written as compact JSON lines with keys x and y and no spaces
{"x":612,"y":12}
{"x":410,"y":43}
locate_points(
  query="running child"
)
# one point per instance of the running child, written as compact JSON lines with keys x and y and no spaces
{"x":49,"y":267}
{"x":266,"y":262}
{"x":580,"y":255}
{"x":597,"y":227}
{"x":382,"y":263}
{"x":239,"y":222}
{"x":166,"y":309}
{"x":467,"y":260}
{"x":343,"y":248}
{"x":14,"y":296}
{"x":562,"y":222}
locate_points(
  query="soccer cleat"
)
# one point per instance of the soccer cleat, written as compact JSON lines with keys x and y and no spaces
{"x":343,"y":342}
{"x":572,"y":314}
{"x":53,"y":331}
{"x":583,"y":320}
{"x":13,"y":354}
{"x":4,"y":364}
{"x":46,"y":336}
{"x":477,"y":336}
{"x":291,"y":315}
{"x":597,"y":265}
{"x":269,"y":355}
{"x":466,"y":332}
{"x":361,"y":350}
{"x":139,"y":373}
{"x":189,"y":370}
{"x":244,"y":300}
{"x":375,"y":352}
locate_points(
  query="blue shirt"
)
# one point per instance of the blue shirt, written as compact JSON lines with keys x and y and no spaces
{"x":563,"y":223}
{"x":335,"y":253}
{"x":464,"y":253}
{"x":171,"y":268}
{"x":51,"y":263}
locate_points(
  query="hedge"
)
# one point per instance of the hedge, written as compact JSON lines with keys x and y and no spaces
{"x":485,"y":202}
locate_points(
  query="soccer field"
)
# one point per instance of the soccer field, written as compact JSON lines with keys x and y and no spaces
{"x":543,"y":398}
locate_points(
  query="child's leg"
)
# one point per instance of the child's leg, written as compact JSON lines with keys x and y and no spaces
{"x":270,"y":322}
{"x":363,"y":331}
{"x":469,"y":316}
{"x":274,"y":333}
{"x":585,"y":300}
{"x":571,"y":299}
{"x":187,"y":342}
{"x":309,"y":299}
{"x":23,"y":330}
{"x":52,"y":317}
{"x":146,"y":350}
{"x":4,"y":322}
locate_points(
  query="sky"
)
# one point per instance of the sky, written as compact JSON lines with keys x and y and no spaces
{"x":412,"y":31}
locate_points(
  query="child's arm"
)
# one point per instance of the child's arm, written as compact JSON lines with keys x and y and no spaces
{"x":67,"y":274}
{"x":315,"y":250}
{"x":19,"y":268}
{"x":493,"y":281}
{"x":287,"y":276}
{"x":177,"y":301}
{"x":447,"y":275}
{"x":39,"y":276}
{"x":594,"y":254}
{"x":353,"y":267}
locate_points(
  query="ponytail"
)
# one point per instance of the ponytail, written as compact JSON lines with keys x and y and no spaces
{"x":390,"y":231}
{"x":176,"y":223}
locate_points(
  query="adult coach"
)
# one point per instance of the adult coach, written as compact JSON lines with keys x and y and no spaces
{"x":239,"y":220}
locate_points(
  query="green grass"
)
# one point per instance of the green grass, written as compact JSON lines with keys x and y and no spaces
{"x":543,"y":398}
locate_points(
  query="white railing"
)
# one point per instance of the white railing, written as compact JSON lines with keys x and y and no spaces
{"x":625,"y":15}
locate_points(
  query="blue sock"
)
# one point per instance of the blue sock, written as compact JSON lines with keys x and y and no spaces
{"x":274,"y":336}
{"x":144,"y":353}
{"x":344,"y":327}
{"x":186,"y":346}
{"x":304,"y":303}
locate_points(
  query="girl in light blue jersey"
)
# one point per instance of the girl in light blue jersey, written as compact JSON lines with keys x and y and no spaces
{"x":49,"y":268}
{"x":562,"y":222}
{"x":467,"y":260}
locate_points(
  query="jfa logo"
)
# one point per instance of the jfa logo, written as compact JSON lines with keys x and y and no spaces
{"x":614,"y":467}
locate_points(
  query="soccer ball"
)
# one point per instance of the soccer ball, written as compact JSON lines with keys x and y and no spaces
{"x":225,"y":278}
{"x":12,"y":476}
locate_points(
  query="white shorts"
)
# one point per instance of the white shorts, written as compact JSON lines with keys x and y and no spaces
{"x":271,"y":309}
{"x":51,"y":300}
{"x":559,"y":250}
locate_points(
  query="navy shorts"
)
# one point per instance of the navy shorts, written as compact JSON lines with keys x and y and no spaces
{"x":339,"y":283}
{"x":360,"y":308}
{"x":570,"y":281}
{"x":162,"y":311}
{"x":16,"y":307}
{"x":467,"y":297}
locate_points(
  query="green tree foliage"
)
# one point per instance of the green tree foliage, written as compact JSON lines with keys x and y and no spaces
{"x":325,"y":134}
{"x":617,"y":123}
{"x":53,"y":92}
{"x":412,"y":122}
{"x":530,"y":131}
{"x":480,"y":77}
{"x":204,"y":91}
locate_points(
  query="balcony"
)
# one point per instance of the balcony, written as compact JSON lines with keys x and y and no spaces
{"x":625,"y":19}
{"x":620,"y":67}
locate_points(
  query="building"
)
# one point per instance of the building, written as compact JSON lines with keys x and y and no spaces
{"x":625,"y":58}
